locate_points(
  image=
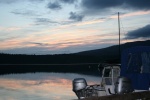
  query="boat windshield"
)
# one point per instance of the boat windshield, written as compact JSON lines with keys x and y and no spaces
{"x":110,"y":75}
{"x":107,"y":76}
{"x":107,"y":73}
{"x":116,"y":72}
{"x":138,"y":62}
{"x":145,"y":68}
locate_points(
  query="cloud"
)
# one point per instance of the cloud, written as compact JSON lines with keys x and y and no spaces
{"x":143,"y":32}
{"x":14,"y":1}
{"x":54,"y":6}
{"x":44,"y":21}
{"x":38,"y":44}
{"x":136,"y":13}
{"x":36,"y":0}
{"x":8,"y":1}
{"x":68,"y":1}
{"x":75,"y":17}
{"x":25,"y":12}
{"x":92,"y":6}
{"x":100,"y":4}
{"x":138,"y":4}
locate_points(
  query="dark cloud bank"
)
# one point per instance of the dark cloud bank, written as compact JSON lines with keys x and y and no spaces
{"x":106,"y":4}
{"x":96,"y":6}
{"x":143,"y":32}
{"x":54,"y":6}
{"x":57,"y":5}
{"x":75,"y":17}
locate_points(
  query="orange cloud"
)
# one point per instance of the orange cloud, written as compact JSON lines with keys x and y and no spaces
{"x":10,"y":29}
{"x":90,"y":22}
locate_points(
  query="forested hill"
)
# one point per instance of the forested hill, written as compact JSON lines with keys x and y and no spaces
{"x":112,"y":52}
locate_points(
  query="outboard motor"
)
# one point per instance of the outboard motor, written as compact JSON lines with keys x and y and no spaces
{"x":123,"y":85}
{"x":79,"y":86}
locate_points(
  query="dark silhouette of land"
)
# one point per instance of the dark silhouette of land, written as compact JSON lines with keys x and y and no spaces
{"x":82,"y":62}
{"x":47,"y":63}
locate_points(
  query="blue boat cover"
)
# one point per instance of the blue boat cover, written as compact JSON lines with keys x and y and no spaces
{"x":135,"y":64}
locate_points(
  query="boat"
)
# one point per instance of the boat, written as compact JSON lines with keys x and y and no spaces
{"x":132,"y":75}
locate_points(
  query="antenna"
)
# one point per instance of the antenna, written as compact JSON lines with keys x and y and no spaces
{"x":119,"y":36}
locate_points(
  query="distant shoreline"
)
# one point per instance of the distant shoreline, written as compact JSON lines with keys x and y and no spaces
{"x":33,"y":68}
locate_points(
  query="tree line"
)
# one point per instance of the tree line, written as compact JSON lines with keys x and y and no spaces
{"x":19,"y":63}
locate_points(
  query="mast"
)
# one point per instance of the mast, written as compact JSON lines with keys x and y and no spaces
{"x":119,"y":36}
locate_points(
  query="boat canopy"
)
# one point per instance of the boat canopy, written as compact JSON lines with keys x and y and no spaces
{"x":135,"y":64}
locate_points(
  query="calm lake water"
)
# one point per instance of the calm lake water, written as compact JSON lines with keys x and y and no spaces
{"x":40,"y":86}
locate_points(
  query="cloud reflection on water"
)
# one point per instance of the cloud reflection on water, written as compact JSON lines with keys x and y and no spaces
{"x":40,"y":86}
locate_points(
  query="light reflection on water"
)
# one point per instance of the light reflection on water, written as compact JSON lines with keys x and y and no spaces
{"x":40,"y":86}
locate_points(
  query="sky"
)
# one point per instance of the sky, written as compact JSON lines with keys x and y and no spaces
{"x":70,"y":26}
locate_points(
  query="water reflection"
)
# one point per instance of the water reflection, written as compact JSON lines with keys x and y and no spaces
{"x":40,"y":86}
